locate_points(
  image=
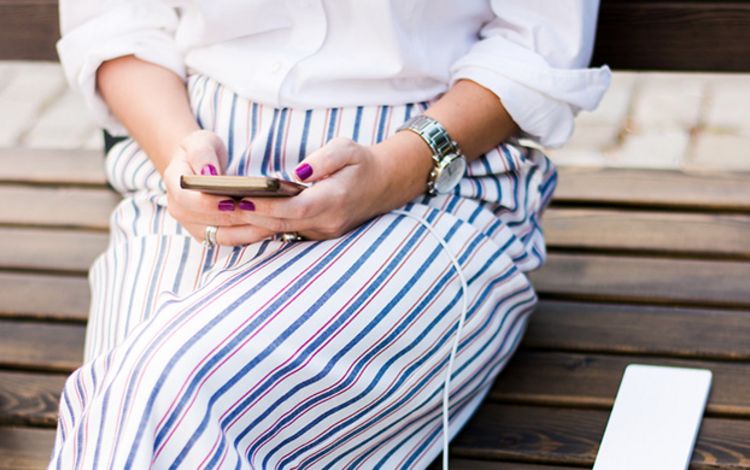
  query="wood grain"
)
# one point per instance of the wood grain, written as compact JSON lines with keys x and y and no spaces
{"x":639,"y":329}
{"x":674,"y":35}
{"x":52,"y":166}
{"x":46,"y":249}
{"x":645,"y":279}
{"x":44,"y":296}
{"x":591,"y":380}
{"x":640,"y":231}
{"x":654,"y":189}
{"x":40,"y":346}
{"x":567,"y":436}
{"x":30,"y":398}
{"x":25,"y":448}
{"x":28,"y":29}
{"x":57,"y":207}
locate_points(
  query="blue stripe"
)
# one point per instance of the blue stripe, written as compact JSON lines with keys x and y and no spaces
{"x":415,"y":418}
{"x":305,"y":134}
{"x":239,"y":337}
{"x":355,"y":368}
{"x":143,"y":356}
{"x":279,"y":144}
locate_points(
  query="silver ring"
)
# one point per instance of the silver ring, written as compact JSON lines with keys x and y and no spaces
{"x":209,"y":235}
{"x":291,"y":237}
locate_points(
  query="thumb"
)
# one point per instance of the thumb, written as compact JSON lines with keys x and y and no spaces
{"x":327,"y":160}
{"x":205,"y":152}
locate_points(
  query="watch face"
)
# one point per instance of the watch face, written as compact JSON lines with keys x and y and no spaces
{"x":450,"y":174}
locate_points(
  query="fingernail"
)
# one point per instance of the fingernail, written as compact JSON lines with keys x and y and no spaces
{"x":303,"y":171}
{"x":226,"y":205}
{"x":209,"y":170}
{"x":247,"y":205}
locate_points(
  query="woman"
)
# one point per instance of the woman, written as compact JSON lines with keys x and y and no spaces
{"x":361,"y":322}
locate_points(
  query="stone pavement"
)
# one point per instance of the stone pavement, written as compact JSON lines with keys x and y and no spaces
{"x":695,"y":122}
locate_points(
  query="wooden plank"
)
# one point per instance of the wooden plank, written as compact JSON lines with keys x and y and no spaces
{"x":680,"y":233}
{"x":468,"y":464}
{"x":25,"y":448}
{"x":44,"y":296}
{"x":29,"y":399}
{"x":52,"y":166}
{"x":41,"y":346}
{"x":643,"y":279}
{"x":653,"y":188}
{"x":60,"y":207}
{"x":28,"y":29}
{"x":45,"y":249}
{"x":679,"y":332}
{"x":674,"y":35}
{"x":572,"y":436}
{"x":591,"y":380}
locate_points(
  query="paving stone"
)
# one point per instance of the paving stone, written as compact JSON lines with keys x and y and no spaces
{"x":95,"y":140}
{"x":716,"y":151}
{"x":66,"y":123}
{"x":577,"y":157}
{"x":728,"y":108}
{"x":24,"y":97}
{"x":594,"y":136}
{"x":614,"y":107}
{"x":655,"y":149}
{"x":667,"y":103}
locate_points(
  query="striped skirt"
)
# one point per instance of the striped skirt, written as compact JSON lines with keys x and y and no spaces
{"x":313,"y":354}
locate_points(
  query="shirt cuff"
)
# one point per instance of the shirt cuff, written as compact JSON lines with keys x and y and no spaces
{"x":542,"y":100}
{"x":130,"y":29}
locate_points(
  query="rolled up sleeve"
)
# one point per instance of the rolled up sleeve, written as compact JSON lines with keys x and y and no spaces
{"x":94,"y":31}
{"x":533,"y":56}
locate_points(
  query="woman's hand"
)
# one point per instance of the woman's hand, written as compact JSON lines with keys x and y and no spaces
{"x":203,"y":152}
{"x":353,"y":183}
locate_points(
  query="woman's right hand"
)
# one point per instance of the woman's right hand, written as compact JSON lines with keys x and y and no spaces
{"x":202,"y":152}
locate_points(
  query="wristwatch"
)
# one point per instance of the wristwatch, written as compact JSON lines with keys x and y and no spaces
{"x":449,"y":164}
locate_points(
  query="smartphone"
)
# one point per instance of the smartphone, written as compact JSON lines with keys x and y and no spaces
{"x":655,"y":419}
{"x":241,"y":186}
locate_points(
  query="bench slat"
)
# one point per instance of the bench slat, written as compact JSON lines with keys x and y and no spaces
{"x":674,"y":35}
{"x":45,"y":249}
{"x":590,"y":380}
{"x":653,"y":188}
{"x":638,"y":329}
{"x":683,"y":233}
{"x":58,"y":207}
{"x":41,"y":346}
{"x":572,"y":436}
{"x":642,"y":279}
{"x":25,"y":448}
{"x":590,"y":277}
{"x":44,"y":296}
{"x":52,"y":166}
{"x":29,"y":399}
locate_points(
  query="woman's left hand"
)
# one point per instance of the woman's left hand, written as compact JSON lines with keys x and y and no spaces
{"x":353,"y":183}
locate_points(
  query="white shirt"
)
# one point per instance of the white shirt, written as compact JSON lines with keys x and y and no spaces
{"x":323,"y":53}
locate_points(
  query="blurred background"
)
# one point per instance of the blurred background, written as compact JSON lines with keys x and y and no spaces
{"x":688,"y":121}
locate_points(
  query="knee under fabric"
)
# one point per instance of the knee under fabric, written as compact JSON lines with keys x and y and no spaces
{"x":462,"y":318}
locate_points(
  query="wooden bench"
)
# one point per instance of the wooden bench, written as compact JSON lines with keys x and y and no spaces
{"x":644,"y":266}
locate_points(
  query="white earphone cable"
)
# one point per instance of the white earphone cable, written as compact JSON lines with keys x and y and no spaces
{"x":454,"y":348}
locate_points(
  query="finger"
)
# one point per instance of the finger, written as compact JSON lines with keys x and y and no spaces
{"x":327,"y":160}
{"x":205,"y":152}
{"x":310,"y":204}
{"x":235,"y":235}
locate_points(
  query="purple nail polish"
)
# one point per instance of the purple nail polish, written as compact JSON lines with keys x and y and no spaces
{"x":209,"y":170}
{"x":247,"y":205}
{"x":304,"y":171}
{"x":226,"y":205}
